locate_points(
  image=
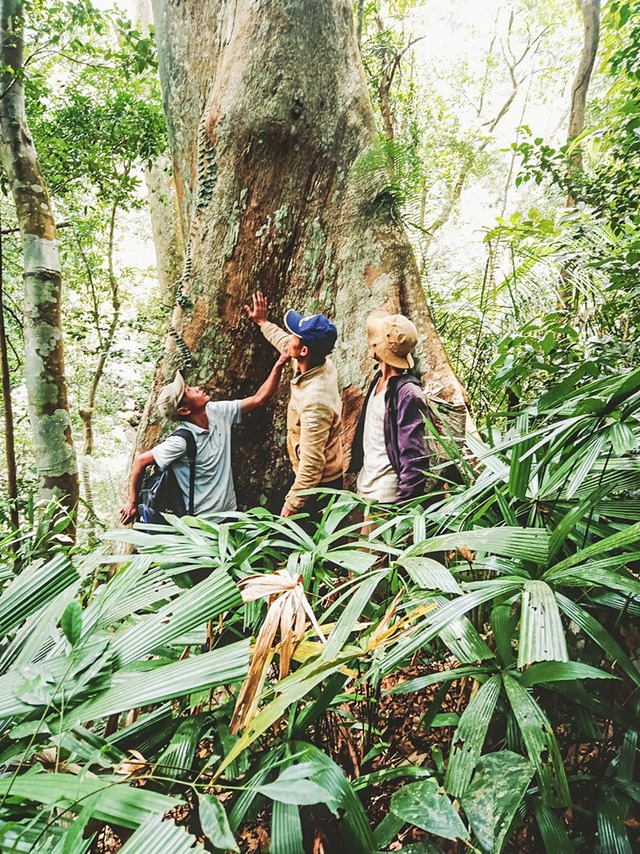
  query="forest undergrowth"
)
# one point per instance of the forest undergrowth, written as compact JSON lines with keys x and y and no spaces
{"x":464,"y":679}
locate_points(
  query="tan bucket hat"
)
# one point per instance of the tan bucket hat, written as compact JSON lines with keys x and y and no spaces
{"x":393,"y":337}
{"x":170,"y":397}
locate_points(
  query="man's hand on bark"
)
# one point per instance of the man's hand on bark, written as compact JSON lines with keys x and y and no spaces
{"x":259,"y":313}
{"x":128,"y":512}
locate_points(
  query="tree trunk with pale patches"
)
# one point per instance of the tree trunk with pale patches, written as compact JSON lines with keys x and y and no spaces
{"x":269,"y":116}
{"x":590,"y":11}
{"x":44,"y":356}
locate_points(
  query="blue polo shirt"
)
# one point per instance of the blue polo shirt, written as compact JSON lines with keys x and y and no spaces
{"x":214,"y":491}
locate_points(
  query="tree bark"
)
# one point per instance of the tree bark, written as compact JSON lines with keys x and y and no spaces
{"x":590,"y":11}
{"x":164,"y":210}
{"x":268,"y":111}
{"x":166,"y":227}
{"x":44,"y":356}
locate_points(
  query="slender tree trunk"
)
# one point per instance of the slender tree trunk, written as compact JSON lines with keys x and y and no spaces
{"x":359,"y":20}
{"x":105,"y":341}
{"x":590,"y":10}
{"x":268,"y":111}
{"x":44,"y":357}
{"x":105,"y":344}
{"x":10,"y":454}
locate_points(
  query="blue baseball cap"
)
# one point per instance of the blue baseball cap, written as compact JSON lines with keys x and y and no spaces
{"x":316,"y":331}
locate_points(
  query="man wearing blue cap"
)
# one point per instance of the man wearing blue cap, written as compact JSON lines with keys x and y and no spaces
{"x":315,"y":406}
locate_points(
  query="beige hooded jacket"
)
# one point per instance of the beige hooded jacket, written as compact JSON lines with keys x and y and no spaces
{"x":313,"y":423}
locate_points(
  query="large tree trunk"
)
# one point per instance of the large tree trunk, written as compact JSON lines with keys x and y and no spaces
{"x":268,"y":112}
{"x":44,"y":357}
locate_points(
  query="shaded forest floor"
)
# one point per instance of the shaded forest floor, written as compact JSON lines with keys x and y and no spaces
{"x":395,"y":730}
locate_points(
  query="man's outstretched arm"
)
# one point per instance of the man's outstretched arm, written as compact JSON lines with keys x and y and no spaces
{"x":268,"y":387}
{"x":128,"y":512}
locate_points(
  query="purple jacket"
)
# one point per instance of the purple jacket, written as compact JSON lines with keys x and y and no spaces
{"x":404,"y":434}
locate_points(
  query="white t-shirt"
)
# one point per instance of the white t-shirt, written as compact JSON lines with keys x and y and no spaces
{"x":213,"y":487}
{"x":377,"y":479}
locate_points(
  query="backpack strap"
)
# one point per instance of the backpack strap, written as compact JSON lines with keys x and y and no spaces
{"x":188,"y":436}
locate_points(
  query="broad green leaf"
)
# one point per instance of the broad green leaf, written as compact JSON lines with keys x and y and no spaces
{"x":384,"y":774}
{"x":469,"y":737}
{"x":461,"y":637}
{"x":35,"y":586}
{"x":464,"y":641}
{"x":295,"y":786}
{"x":541,"y":632}
{"x":597,"y":577}
{"x":627,"y":537}
{"x":71,"y":622}
{"x":599,"y":634}
{"x":177,"y":758}
{"x":526,"y":543}
{"x":623,"y":439}
{"x":159,"y":835}
{"x":433,"y":624}
{"x":491,"y":799}
{"x":130,"y":690}
{"x":193,"y":607}
{"x":286,"y":830}
{"x":350,"y":616}
{"x":424,"y":805}
{"x":354,"y":824}
{"x":118,"y":803}
{"x":571,"y":474}
{"x":351,"y":559}
{"x":247,"y":797}
{"x":389,"y":827}
{"x":624,"y":763}
{"x":30,"y":728}
{"x":561,"y":671}
{"x":137,"y":587}
{"x":552,"y":831}
{"x":566,"y":525}
{"x":520,"y":462}
{"x":430,"y":575}
{"x":541,"y":744}
{"x":21,"y":838}
{"x":298,"y":792}
{"x":503,"y":625}
{"x":73,"y":841}
{"x":215,"y":824}
{"x":611,"y":813}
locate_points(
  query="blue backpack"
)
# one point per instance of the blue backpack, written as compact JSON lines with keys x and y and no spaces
{"x":161,"y":492}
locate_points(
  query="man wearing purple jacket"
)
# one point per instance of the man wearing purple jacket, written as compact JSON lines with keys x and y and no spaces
{"x":390,"y":450}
